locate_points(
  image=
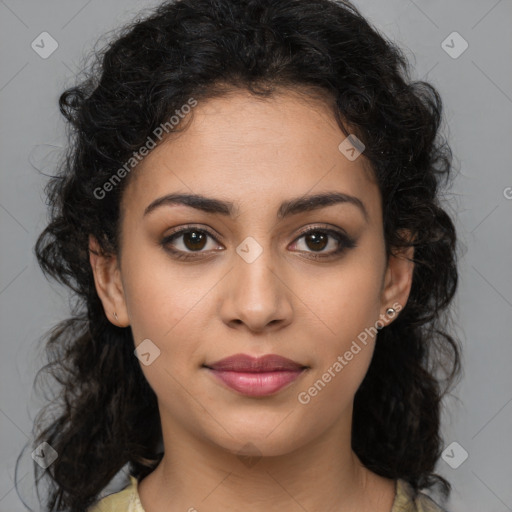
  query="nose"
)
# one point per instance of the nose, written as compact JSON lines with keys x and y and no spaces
{"x":256,"y":295}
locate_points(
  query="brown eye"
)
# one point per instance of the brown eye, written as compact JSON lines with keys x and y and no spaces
{"x":316,"y":240}
{"x":194,"y":240}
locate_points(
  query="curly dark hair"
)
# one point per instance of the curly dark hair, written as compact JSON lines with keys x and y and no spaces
{"x":108,"y":414}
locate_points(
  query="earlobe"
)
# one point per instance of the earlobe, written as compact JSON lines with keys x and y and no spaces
{"x":397,"y":281}
{"x":107,"y":280}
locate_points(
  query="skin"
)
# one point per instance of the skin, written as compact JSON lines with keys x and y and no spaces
{"x":255,"y":153}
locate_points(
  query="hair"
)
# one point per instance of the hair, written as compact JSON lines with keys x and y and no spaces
{"x":107,"y":412}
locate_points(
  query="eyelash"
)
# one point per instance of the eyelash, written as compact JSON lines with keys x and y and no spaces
{"x":344,"y":240}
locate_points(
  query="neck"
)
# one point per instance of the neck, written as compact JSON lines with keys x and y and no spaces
{"x":323,"y":475}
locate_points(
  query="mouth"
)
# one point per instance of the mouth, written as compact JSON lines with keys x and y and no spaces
{"x":256,"y":376}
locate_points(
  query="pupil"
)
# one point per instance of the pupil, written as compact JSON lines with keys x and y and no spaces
{"x":316,"y":238}
{"x":195,"y":238}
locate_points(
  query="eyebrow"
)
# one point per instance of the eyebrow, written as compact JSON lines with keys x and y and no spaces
{"x":287,"y":208}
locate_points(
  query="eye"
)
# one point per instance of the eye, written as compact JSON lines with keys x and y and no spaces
{"x":318,"y":239}
{"x":193,"y":240}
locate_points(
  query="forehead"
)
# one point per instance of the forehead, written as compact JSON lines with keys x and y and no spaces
{"x":255,"y":152}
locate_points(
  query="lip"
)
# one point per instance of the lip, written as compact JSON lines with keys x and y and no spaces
{"x":249,"y":364}
{"x":256,"y":376}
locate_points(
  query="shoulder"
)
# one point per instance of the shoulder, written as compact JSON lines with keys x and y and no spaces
{"x":126,"y":500}
{"x":407,"y":501}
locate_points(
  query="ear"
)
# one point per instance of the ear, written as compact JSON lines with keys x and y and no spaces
{"x":397,"y":280}
{"x":107,"y":279}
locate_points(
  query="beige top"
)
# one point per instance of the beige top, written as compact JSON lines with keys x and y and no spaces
{"x":128,"y":500}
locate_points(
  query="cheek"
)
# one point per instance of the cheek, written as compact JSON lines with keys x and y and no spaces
{"x":349,"y":308}
{"x":165,"y":305}
{"x":159,"y":297}
{"x":329,"y":394}
{"x":349,"y":301}
{"x":343,"y":356}
{"x":163,"y":309}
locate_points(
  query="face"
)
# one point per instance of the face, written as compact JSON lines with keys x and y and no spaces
{"x":257,"y":270}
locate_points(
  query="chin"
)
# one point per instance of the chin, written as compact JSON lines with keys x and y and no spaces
{"x":261,"y":442}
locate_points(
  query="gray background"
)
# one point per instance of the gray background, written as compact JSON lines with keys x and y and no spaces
{"x":477,"y":91}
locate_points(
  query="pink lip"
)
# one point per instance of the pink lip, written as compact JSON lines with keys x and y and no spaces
{"x":260,"y":376}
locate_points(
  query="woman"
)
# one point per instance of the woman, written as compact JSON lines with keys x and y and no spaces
{"x":249,"y":217}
